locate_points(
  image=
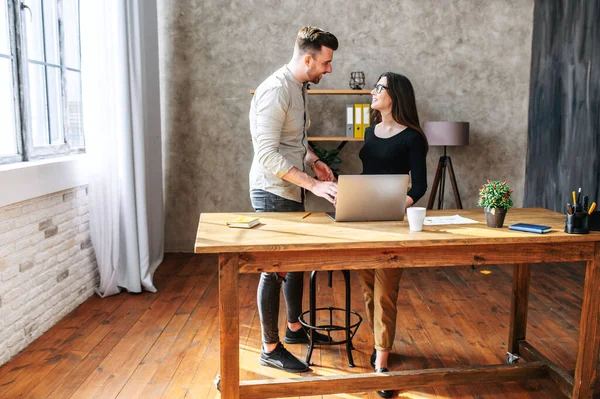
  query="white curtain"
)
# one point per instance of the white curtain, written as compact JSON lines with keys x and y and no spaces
{"x":121,"y":108}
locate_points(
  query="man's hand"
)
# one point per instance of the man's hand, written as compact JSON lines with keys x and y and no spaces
{"x":325,"y":189}
{"x":322,"y":171}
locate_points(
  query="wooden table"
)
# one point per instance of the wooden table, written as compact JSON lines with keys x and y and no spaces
{"x":286,"y":242}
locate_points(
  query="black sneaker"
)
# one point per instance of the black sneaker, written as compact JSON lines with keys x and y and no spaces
{"x":301,"y":337}
{"x":281,"y":359}
{"x":386,"y":393}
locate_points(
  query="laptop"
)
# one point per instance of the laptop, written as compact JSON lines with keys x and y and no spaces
{"x":367,"y":198}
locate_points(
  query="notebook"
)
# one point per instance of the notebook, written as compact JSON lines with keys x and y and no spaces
{"x":244,"y":222}
{"x":366,"y":198}
{"x":530,"y":228}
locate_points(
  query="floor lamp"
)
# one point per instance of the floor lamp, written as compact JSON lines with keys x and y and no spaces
{"x":446,"y":134}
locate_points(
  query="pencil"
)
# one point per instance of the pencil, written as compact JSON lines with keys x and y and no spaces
{"x":307,"y":214}
{"x":574,"y":198}
{"x":592,"y":207}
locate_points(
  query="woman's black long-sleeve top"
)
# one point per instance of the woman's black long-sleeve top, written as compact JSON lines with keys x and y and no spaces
{"x":400,"y":154}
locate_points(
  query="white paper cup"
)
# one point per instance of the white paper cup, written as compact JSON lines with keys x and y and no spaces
{"x":416,"y":217}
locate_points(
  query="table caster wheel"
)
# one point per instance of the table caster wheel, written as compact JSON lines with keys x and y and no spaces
{"x":511,"y":358}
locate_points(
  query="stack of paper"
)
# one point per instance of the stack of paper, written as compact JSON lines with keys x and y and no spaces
{"x":440,"y":220}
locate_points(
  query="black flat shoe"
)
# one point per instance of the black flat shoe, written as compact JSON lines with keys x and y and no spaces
{"x":384,"y":393}
{"x":373,"y":357}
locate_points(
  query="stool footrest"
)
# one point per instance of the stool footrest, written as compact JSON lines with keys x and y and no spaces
{"x":328,"y":328}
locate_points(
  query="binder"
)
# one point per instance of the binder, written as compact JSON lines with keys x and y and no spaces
{"x":358,"y":127}
{"x":366,"y":118}
{"x":349,"y":120}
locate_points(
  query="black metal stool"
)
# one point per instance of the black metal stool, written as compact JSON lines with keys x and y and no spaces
{"x":349,"y":328}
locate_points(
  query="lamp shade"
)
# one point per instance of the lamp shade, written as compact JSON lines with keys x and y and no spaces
{"x":447,"y":133}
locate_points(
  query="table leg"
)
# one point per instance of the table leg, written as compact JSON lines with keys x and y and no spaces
{"x":229,"y":324}
{"x":518,"y":307}
{"x":587,"y":349}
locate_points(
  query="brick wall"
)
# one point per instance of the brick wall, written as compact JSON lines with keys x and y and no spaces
{"x":47,"y":265}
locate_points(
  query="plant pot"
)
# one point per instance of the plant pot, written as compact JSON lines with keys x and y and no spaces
{"x":494,"y":216}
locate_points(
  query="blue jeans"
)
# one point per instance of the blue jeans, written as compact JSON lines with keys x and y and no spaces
{"x":269,"y":287}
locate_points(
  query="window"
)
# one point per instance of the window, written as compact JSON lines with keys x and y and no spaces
{"x":40,"y":79}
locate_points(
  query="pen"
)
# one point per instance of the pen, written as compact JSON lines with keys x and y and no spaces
{"x":307,"y":214}
{"x":574,"y":198}
{"x":586,"y":200}
{"x":592,"y":207}
{"x":578,"y":195}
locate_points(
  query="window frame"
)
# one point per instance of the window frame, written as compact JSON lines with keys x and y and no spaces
{"x":17,"y":12}
{"x":18,"y":157}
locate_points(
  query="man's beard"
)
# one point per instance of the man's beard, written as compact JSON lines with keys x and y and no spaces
{"x":313,"y":79}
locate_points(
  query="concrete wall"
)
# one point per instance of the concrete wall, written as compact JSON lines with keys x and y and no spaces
{"x":468,"y":60}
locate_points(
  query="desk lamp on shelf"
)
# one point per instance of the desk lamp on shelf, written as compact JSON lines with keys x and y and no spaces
{"x":445,"y":134}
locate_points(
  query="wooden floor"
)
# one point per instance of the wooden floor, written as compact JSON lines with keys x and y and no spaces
{"x":166,"y":345}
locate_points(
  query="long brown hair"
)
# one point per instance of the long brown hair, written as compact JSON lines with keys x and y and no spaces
{"x":404,"y":105}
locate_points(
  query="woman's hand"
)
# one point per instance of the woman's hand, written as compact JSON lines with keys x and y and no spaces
{"x":322,"y":171}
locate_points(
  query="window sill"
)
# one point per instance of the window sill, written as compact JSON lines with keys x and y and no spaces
{"x":27,"y":180}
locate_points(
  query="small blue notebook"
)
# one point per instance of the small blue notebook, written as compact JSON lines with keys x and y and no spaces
{"x":530,"y":228}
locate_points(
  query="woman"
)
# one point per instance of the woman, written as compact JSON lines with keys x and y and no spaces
{"x":394,"y":144}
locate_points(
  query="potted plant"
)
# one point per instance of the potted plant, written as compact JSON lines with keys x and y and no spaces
{"x":495,"y":198}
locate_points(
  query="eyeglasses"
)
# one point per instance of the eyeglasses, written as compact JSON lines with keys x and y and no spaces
{"x":378,"y":87}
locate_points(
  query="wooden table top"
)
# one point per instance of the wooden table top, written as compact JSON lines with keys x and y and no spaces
{"x":283,"y":231}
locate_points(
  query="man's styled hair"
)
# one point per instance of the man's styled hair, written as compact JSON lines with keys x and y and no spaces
{"x":311,"y":39}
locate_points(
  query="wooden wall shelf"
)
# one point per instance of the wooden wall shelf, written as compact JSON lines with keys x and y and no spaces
{"x":327,"y":138}
{"x":342,"y":139}
{"x":335,"y":92}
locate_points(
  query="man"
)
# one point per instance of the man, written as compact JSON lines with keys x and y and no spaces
{"x":278,"y":179}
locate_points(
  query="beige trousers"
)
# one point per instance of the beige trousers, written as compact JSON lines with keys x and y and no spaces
{"x":380,"y":289}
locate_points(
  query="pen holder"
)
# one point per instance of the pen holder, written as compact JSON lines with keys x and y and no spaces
{"x":594,"y":221}
{"x":577,"y":223}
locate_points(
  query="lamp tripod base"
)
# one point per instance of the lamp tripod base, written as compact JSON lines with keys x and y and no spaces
{"x":439,"y":183}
